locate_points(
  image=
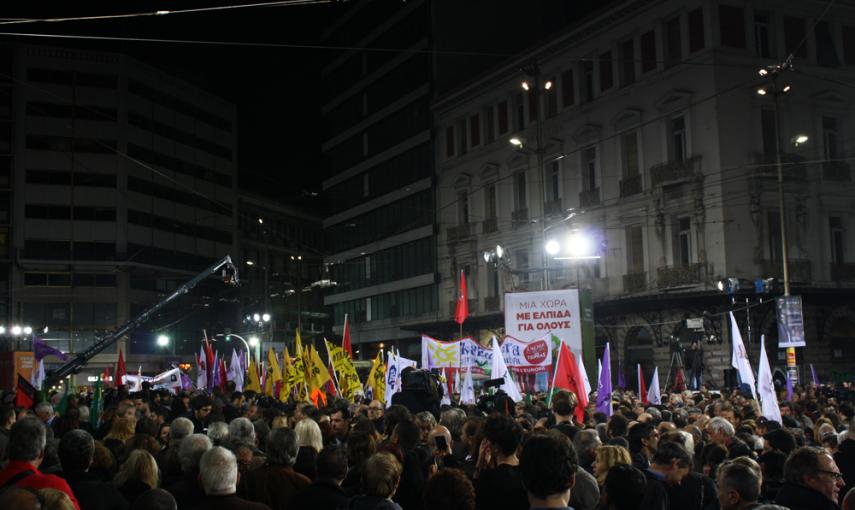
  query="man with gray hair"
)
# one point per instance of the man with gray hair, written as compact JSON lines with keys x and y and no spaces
{"x":167,"y":460}
{"x":243,"y":442}
{"x":722,"y":433}
{"x":218,"y":433}
{"x":26,"y":451}
{"x":586,"y":443}
{"x":186,"y":489}
{"x":738,"y":487}
{"x":845,"y":457}
{"x":276,"y":483}
{"x":218,"y":473}
{"x":45,"y":413}
{"x":76,"y":451}
{"x":811,"y":481}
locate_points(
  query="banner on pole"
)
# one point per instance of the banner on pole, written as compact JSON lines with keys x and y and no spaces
{"x":531,"y":316}
{"x":791,"y":326}
{"x":520,"y":356}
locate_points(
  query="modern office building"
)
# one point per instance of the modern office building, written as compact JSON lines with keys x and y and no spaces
{"x":646,"y":137}
{"x":118,"y":186}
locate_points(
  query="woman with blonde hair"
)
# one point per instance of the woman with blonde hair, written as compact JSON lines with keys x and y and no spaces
{"x":138,"y":474}
{"x":53,"y":499}
{"x":310,"y":442}
{"x":608,"y":456}
{"x":121,"y":430}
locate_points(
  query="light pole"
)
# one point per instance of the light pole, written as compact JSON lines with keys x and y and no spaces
{"x":298,"y":259}
{"x":245,"y":343}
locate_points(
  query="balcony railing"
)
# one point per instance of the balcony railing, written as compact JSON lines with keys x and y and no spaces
{"x":675,"y":171}
{"x":799,"y":270}
{"x":553,"y":207}
{"x":677,"y":276}
{"x":489,"y":225}
{"x":459,"y":232}
{"x":844,"y":272}
{"x":836,"y":171}
{"x":630,"y":186}
{"x":634,"y":282}
{"x":519,"y":217}
{"x":491,"y":304}
{"x":792,"y":166}
{"x":589,"y":197}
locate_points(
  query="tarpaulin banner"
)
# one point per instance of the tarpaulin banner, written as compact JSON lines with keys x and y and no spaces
{"x":530,"y":316}
{"x":520,"y":356}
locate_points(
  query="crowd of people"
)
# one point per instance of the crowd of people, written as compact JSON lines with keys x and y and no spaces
{"x":699,"y":450}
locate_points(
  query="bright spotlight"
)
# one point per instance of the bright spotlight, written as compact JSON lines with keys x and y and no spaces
{"x":763,"y":72}
{"x":2,"y":330}
{"x":786,"y":88}
{"x":547,"y":85}
{"x":265,"y":317}
{"x":578,"y":245}
{"x":256,"y":317}
{"x":500,"y":252}
{"x":800,"y":139}
{"x":761,"y":92}
{"x":28,"y":330}
{"x":162,"y":340}
{"x":553,"y":247}
{"x":16,"y":330}
{"x":486,"y":261}
{"x":250,"y":262}
{"x":253,"y":341}
{"x":525,"y":85}
{"x":516,"y":142}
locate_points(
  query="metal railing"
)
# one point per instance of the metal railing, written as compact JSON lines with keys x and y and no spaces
{"x":679,"y":275}
{"x":673,"y":171}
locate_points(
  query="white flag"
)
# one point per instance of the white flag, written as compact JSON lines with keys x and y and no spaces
{"x":467,"y":392}
{"x":599,"y":368}
{"x":653,"y":394}
{"x":201,"y":370}
{"x":456,"y":388}
{"x":392,"y":377}
{"x":584,"y":374}
{"x":446,"y":398}
{"x":500,"y":371}
{"x":739,"y":357}
{"x":168,"y":380}
{"x":235,"y":373}
{"x":766,"y":387}
{"x":38,"y":376}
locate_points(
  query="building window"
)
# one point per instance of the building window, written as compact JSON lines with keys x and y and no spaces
{"x":502,"y":116}
{"x":627,"y":63}
{"x":848,"y":45}
{"x":679,"y":149}
{"x":520,"y":197}
{"x":489,"y":124}
{"x":521,"y":257}
{"x":826,"y":53}
{"x":568,"y":93}
{"x":683,"y":242}
{"x":767,"y":126}
{"x":462,"y":139}
{"x":634,"y":249}
{"x":673,"y":42}
{"x":606,"y":74}
{"x":830,"y":138}
{"x":519,"y":111}
{"x":648,"y":51}
{"x":490,"y":210}
{"x":589,"y":169}
{"x":838,"y":245}
{"x":629,"y":148}
{"x":588,"y":80}
{"x":732,"y":20}
{"x":462,"y":207}
{"x":550,"y":97}
{"x":762,"y":35}
{"x":475,"y":130}
{"x":696,"y":30}
{"x":449,"y":141}
{"x":553,"y":181}
{"x":794,"y":35}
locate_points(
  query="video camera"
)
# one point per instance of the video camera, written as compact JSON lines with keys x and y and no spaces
{"x":498,"y":402}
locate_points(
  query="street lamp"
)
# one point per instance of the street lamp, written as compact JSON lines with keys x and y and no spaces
{"x":162,"y":340}
{"x":553,"y":247}
{"x":229,"y":336}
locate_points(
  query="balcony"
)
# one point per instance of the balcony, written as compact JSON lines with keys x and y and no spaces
{"x":843,"y":272}
{"x":589,"y":197}
{"x":491,"y":304}
{"x":489,"y":225}
{"x":519,"y":217}
{"x":678,"y":276}
{"x":800,"y":270}
{"x":835,"y":171}
{"x":674,"y":172}
{"x":630,"y":186}
{"x":792,"y":166}
{"x":452,"y":307}
{"x":553,"y":207}
{"x":635,"y":282}
{"x":459,"y":232}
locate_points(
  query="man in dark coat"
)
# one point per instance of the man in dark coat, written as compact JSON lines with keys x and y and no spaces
{"x":845,"y":459}
{"x":326,"y":492}
{"x":76,"y":451}
{"x":186,"y":488}
{"x":812,"y":481}
{"x":275,"y":483}
{"x":670,"y":464}
{"x":218,"y":472}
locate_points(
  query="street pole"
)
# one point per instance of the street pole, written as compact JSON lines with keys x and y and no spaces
{"x":538,"y":96}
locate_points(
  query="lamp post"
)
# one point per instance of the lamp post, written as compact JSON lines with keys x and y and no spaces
{"x":245,"y":343}
{"x":298,"y":259}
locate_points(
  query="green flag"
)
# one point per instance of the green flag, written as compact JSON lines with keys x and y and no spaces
{"x":62,"y":406}
{"x":95,"y":410}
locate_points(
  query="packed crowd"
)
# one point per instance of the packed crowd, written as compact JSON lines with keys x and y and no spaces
{"x":230,"y":449}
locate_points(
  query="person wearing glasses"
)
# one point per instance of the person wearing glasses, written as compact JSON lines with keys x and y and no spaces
{"x":812,"y":481}
{"x":375,"y":414}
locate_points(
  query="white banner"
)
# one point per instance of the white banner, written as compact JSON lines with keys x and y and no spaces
{"x":520,"y":356}
{"x":531,"y":316}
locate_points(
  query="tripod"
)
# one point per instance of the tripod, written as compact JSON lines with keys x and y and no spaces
{"x":676,"y":364}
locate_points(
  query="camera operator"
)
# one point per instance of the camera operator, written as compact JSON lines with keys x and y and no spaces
{"x":694,"y":361}
{"x":420,"y":391}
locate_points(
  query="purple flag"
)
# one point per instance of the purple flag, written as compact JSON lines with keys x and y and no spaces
{"x":604,"y":387}
{"x":813,"y":375}
{"x":789,"y":388}
{"x":214,"y":381}
{"x":621,"y":382}
{"x":186,"y":382}
{"x":41,"y":349}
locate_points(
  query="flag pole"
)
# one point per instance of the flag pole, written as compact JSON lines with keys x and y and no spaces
{"x":336,"y":384}
{"x":554,"y":374}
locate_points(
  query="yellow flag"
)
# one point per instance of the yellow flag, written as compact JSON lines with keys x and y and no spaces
{"x":377,"y":378}
{"x":319,"y":375}
{"x":299,"y":361}
{"x":274,"y":373}
{"x":287,"y":370}
{"x":348,"y":378}
{"x":254,"y":383}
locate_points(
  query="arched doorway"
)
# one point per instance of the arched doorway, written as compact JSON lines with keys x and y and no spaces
{"x":638,"y":348}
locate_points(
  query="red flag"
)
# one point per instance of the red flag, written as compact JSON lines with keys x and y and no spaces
{"x":106,"y":375}
{"x":568,"y":377}
{"x":345,"y":339}
{"x":679,"y":380}
{"x":209,"y":364}
{"x":642,"y":388}
{"x":25,"y":393}
{"x":462,"y":310}
{"x":120,"y":371}
{"x":223,"y":375}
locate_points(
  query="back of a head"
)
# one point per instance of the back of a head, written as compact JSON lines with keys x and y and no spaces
{"x":625,"y":487}
{"x":548,"y":464}
{"x":772,"y":464}
{"x":586,"y":440}
{"x":638,"y":432}
{"x":449,"y":489}
{"x":332,"y":463}
{"x":155,"y":499}
{"x":309,"y":434}
{"x":381,"y":475}
{"x":282,"y":447}
{"x":564,"y":403}
{"x":26,"y":440}
{"x":739,"y":478}
{"x":76,"y":451}
{"x":782,"y":440}
{"x":453,"y":420}
{"x":408,"y":434}
{"x":241,"y":432}
{"x":218,"y":472}
{"x":218,"y":433}
{"x":722,"y":425}
{"x":179,"y":429}
{"x":54,"y":499}
{"x":191,"y":450}
{"x":669,"y":452}
{"x":848,"y":501}
{"x":802,"y":462}
{"x":19,"y":499}
{"x":617,"y":426}
{"x":394,"y":415}
{"x":503,"y":432}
